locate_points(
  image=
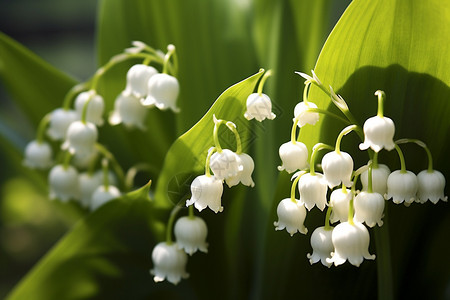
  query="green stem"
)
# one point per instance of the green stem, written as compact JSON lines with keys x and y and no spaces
{"x":191,"y":212}
{"x":217,"y":123}
{"x":381,"y":96}
{"x":66,"y":160}
{"x":351,"y":210}
{"x":105,"y":173}
{"x":294,"y":131}
{"x":369,"y":178}
{"x":115,"y":165}
{"x":263,"y":80}
{"x":306,"y":92}
{"x":327,"y":218}
{"x":344,"y":131}
{"x":75,"y":90}
{"x":317,"y":147}
{"x":424,"y":146}
{"x":170,"y":52}
{"x":41,"y":128}
{"x":131,"y":173}
{"x":375,"y":160}
{"x":402,"y":159}
{"x":232,"y":127}
{"x":208,"y":158}
{"x":91,"y":94}
{"x":170,"y":222}
{"x":326,"y":112}
{"x":294,"y":184}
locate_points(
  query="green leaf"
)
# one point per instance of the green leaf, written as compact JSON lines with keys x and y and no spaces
{"x":188,"y":153}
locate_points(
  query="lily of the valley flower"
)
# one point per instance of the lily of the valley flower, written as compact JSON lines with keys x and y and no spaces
{"x":190,"y":233}
{"x":162,"y":92}
{"x":379,"y":179}
{"x":137,"y":80}
{"x":206,"y":192}
{"x":340,"y":201}
{"x":337,"y":168}
{"x":60,"y":119}
{"x":38,"y":155}
{"x":225,"y":164}
{"x":313,"y":190}
{"x":94,"y":108}
{"x":169,"y":262}
{"x":351,"y":242}
{"x":291,"y":216}
{"x":63,"y":183}
{"x":89,"y":183}
{"x":378,"y":134}
{"x":369,"y":208}
{"x":402,"y":187}
{"x":102,"y":195}
{"x":129,"y":111}
{"x":431,"y":186}
{"x":245,"y":175}
{"x":81,"y":138}
{"x":259,"y":107}
{"x":322,"y":245}
{"x":294,"y":156}
{"x":305,"y":117}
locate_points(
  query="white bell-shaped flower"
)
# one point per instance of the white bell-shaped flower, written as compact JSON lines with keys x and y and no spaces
{"x":378,"y":134}
{"x":95,"y":107}
{"x":379,"y":179}
{"x":63,"y":183}
{"x":225,"y":164}
{"x":305,"y":117}
{"x":162,"y":92}
{"x":369,"y":208}
{"x":81,"y":138}
{"x":402,"y":187}
{"x":83,"y":160}
{"x":129,"y":111}
{"x":313,"y":190}
{"x":206,"y":192}
{"x":431,"y":186}
{"x":245,"y":175}
{"x":322,"y":246}
{"x":351,"y":242}
{"x":89,"y":182}
{"x":337,"y":168}
{"x":190,"y":233}
{"x":291,"y":216}
{"x":102,"y":195}
{"x":137,"y":80}
{"x":38,"y":155}
{"x":60,"y":119}
{"x":294,"y":156}
{"x":259,"y":107}
{"x":169,"y":262}
{"x":339,"y":201}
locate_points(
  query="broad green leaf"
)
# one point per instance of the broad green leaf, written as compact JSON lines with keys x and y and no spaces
{"x":188,"y":153}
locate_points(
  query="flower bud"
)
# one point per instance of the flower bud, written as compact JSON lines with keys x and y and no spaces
{"x":81,"y":138}
{"x":63,"y":183}
{"x":38,"y":155}
{"x":305,"y":117}
{"x":102,"y":195}
{"x":60,"y":119}
{"x":137,"y":80}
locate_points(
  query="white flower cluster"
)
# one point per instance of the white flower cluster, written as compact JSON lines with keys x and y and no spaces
{"x":170,"y":258}
{"x":74,"y":129}
{"x":349,"y":240}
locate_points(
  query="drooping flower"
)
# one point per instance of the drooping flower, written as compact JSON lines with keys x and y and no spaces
{"x":322,"y":246}
{"x":38,"y":155}
{"x":169,"y":262}
{"x":102,"y":195}
{"x":340,"y":201}
{"x":129,"y":111}
{"x":63,"y":183}
{"x":95,"y":107}
{"x":89,"y":183}
{"x":378,"y":134}
{"x":305,"y":117}
{"x":81,"y":138}
{"x":431,"y":186}
{"x":294,"y":156}
{"x":337,"y":168}
{"x":313,"y":190}
{"x":379,"y":179}
{"x":60,"y":119}
{"x":225,"y":164}
{"x":369,"y":208}
{"x":190,"y":233}
{"x":83,"y":160}
{"x":206,"y":192}
{"x":259,"y":107}
{"x":137,"y":80}
{"x":351,"y":242}
{"x":291,"y":216}
{"x":162,"y":92}
{"x":245,"y":175}
{"x":402,"y":187}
